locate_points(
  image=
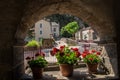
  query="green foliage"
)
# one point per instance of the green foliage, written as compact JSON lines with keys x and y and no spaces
{"x":65,"y":55}
{"x":70,"y":29}
{"x":71,"y":59}
{"x":65,"y":33}
{"x":91,"y":57}
{"x":94,"y":57}
{"x":33,"y":43}
{"x":38,"y":62}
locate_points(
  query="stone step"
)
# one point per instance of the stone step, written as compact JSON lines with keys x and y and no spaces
{"x":78,"y":74}
{"x":55,"y":67}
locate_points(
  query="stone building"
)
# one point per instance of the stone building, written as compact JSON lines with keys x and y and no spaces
{"x":87,"y":34}
{"x":16,"y":16}
{"x":46,"y":30}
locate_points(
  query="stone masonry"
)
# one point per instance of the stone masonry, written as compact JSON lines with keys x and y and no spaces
{"x":17,"y":16}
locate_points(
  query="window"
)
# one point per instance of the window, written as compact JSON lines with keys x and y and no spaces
{"x":40,"y":25}
{"x":54,"y":29}
{"x":40,"y":32}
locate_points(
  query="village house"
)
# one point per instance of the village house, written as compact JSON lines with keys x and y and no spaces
{"x":46,"y":29}
{"x":87,"y":34}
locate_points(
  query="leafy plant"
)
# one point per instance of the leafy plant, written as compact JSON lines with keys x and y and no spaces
{"x":33,"y":43}
{"x":37,"y":61}
{"x":65,"y":55}
{"x":71,"y":27}
{"x":91,"y":56}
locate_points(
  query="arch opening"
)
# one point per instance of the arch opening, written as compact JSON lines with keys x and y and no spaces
{"x":29,"y":19}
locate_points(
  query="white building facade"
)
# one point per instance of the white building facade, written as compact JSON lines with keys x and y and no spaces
{"x":46,"y":30}
{"x":86,"y":34}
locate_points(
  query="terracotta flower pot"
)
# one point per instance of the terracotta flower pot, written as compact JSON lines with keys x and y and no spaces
{"x":92,"y":68}
{"x":66,"y":70}
{"x":37,"y":72}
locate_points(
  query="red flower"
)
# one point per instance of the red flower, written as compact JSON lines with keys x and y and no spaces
{"x":28,"y":58}
{"x":86,"y":51}
{"x":84,"y":55}
{"x":61,"y":47}
{"x":74,"y":49}
{"x":93,"y":51}
{"x":98,"y":53}
{"x":77,"y":54}
{"x":89,"y":53}
{"x":55,"y":50}
{"x":37,"y":54}
{"x":51,"y":53}
{"x":42,"y":54}
{"x":32,"y":58}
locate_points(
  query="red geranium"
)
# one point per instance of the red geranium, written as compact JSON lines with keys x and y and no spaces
{"x":40,"y":54}
{"x":37,"y":54}
{"x":91,"y":56}
{"x":62,"y":47}
{"x":93,"y":51}
{"x":36,"y":59}
{"x":54,"y":51}
{"x":75,"y":49}
{"x":66,"y":55}
{"x":84,"y":55}
{"x":86,"y":51}
{"x":98,"y":53}
{"x":28,"y":58}
{"x":77,"y":54}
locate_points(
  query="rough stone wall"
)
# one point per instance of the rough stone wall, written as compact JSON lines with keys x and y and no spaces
{"x":117,"y":25}
{"x":98,"y":14}
{"x":10,"y":16}
{"x":109,"y":56}
{"x":16,"y":16}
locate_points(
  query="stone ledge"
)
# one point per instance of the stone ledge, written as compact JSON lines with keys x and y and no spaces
{"x":55,"y":67}
{"x":78,"y":74}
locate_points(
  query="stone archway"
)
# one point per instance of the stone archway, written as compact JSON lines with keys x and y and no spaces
{"x":34,"y":12}
{"x":95,"y":17}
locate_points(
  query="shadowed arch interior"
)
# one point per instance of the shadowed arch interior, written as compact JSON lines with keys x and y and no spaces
{"x":34,"y":12}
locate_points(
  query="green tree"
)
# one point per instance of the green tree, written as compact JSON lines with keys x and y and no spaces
{"x":65,"y":33}
{"x":71,"y":28}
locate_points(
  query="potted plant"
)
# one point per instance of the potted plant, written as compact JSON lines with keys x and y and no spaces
{"x":66,"y":59}
{"x":32,"y":45}
{"x":37,"y":62}
{"x":37,"y":65}
{"x":92,"y":58}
